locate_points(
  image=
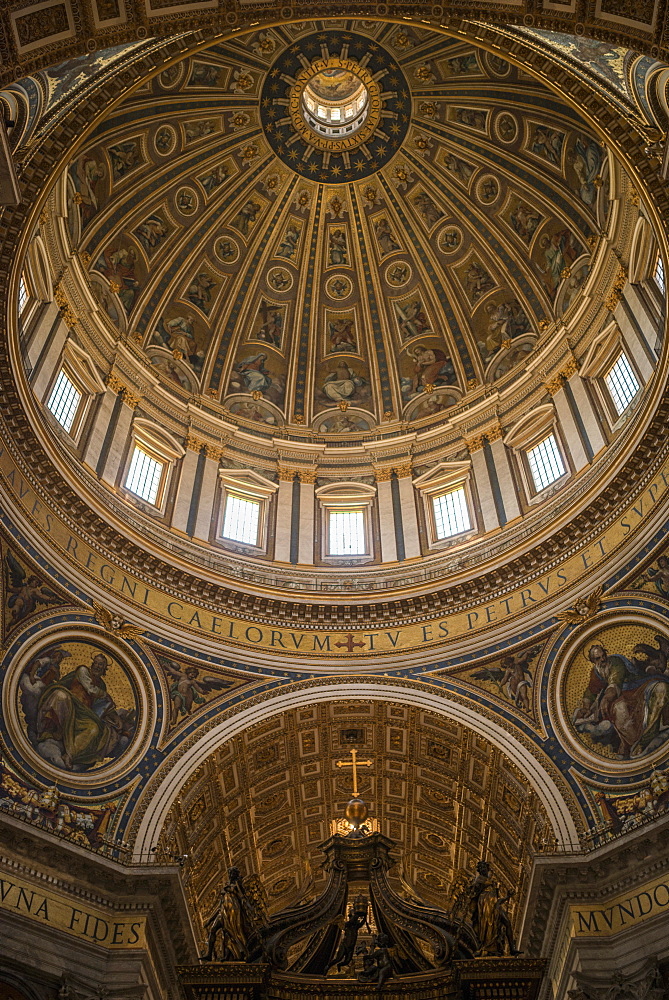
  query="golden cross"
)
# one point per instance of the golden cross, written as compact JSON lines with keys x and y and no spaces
{"x":355,"y":764}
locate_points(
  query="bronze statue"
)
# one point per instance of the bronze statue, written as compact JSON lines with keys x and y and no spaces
{"x":487,"y":912}
{"x":377,"y":967}
{"x":238,"y":919}
{"x":356,"y":918}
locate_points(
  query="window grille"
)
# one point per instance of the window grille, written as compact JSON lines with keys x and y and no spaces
{"x":659,"y":275}
{"x":64,"y":400}
{"x":622,"y":383}
{"x":545,"y":463}
{"x":144,"y":475}
{"x":451,"y":514}
{"x":347,"y":533}
{"x":241,"y":520}
{"x":23,"y":294}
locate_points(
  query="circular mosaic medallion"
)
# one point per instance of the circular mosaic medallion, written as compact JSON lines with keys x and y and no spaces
{"x":450,"y":239}
{"x":335,"y":91}
{"x":338,"y":287}
{"x":487,"y":190}
{"x":165,"y":140}
{"x":280,"y":279}
{"x":398,"y":273}
{"x":187,"y":201}
{"x":506,"y":127}
{"x":614,"y":693}
{"x":226,"y":249}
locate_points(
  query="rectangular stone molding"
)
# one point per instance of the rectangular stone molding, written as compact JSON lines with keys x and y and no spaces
{"x":572,"y":435}
{"x":587,"y":413}
{"x":185,"y":490}
{"x":98,"y":430}
{"x":634,"y":341}
{"x":384,"y":493}
{"x":49,"y":359}
{"x":284,"y":505}
{"x":306,"y":540}
{"x":118,"y":444}
{"x":485,"y":490}
{"x":507,"y":486}
{"x":208,"y":493}
{"x":409,"y":516}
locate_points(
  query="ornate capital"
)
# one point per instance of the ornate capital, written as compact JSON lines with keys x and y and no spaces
{"x":475,"y":443}
{"x":569,"y":369}
{"x":402,"y":471}
{"x":554,"y":384}
{"x":286,"y":475}
{"x":383,"y":474}
{"x":308,"y":475}
{"x":214,"y":451}
{"x":130,"y":399}
{"x":193,"y":443}
{"x":494,"y":433}
{"x":114,"y":383}
{"x":66,"y":310}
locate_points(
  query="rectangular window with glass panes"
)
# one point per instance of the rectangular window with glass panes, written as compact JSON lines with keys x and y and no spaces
{"x":622,"y":383}
{"x":64,"y":400}
{"x":146,"y":476}
{"x":241,"y":520}
{"x":346,"y":533}
{"x":451,"y":513}
{"x":545,"y":462}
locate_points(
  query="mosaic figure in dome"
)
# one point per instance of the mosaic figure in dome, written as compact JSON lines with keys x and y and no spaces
{"x":559,"y":249}
{"x":459,"y":168}
{"x":269,"y":325}
{"x":200,"y":291}
{"x":337,"y":246}
{"x":120,"y":265}
{"x":212,"y":180}
{"x":247,"y":217}
{"x":341,"y":334}
{"x":585,"y":159}
{"x":505,"y":321}
{"x":431,"y":367}
{"x":204,"y":75}
{"x":478,"y":280}
{"x":412,"y":318}
{"x":384,"y":236}
{"x":547,"y":143}
{"x":467,"y":63}
{"x":525,"y":220}
{"x":80,"y":719}
{"x":152,"y":232}
{"x":290,"y":241}
{"x":343,"y":383}
{"x":88,"y":175}
{"x":124,"y":157}
{"x":429,"y":212}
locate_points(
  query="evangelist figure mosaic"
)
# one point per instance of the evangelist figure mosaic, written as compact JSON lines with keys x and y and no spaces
{"x":77,"y":705}
{"x":616,"y":692}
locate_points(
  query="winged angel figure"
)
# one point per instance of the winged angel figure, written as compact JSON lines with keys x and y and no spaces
{"x":115,"y":624}
{"x":584,"y":608}
{"x":25,"y":591}
{"x":188,"y":689}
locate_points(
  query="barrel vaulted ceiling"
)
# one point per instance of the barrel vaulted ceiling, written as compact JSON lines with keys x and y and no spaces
{"x":297,"y":285}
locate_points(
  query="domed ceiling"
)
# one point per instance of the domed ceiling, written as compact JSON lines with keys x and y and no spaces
{"x":339,"y":264}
